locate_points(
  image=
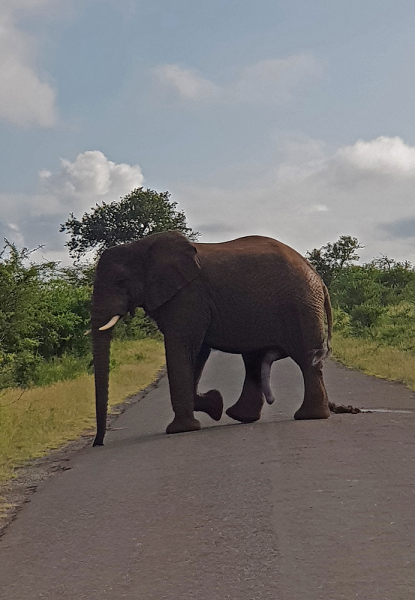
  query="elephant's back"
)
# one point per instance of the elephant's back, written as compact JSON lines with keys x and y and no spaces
{"x":250,"y":245}
{"x":258,"y":290}
{"x":253,"y":255}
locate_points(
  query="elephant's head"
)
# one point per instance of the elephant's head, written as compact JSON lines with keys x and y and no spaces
{"x":146,"y":273}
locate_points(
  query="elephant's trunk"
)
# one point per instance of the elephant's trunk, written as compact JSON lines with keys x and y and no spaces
{"x":101,"y":341}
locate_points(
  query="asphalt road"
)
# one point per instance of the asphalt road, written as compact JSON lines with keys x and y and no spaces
{"x":276,"y":510}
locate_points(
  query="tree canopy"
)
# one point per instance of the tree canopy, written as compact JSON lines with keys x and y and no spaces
{"x":138,"y":214}
{"x":330,"y":259}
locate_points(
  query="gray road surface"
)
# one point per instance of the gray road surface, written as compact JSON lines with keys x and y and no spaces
{"x":276,"y":510}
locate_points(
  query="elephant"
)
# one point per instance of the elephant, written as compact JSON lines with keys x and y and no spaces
{"x":253,"y":296}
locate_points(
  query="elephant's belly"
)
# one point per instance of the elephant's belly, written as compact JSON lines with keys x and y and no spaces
{"x":244,"y":335}
{"x":291,"y":327}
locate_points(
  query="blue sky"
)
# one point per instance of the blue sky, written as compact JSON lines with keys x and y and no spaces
{"x":285,"y":118}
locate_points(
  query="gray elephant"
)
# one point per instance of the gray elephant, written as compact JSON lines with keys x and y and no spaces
{"x":252,"y":296}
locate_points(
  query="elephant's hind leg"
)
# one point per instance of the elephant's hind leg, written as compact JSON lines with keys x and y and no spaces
{"x":249,"y":405}
{"x":210,"y":402}
{"x":315,"y":404}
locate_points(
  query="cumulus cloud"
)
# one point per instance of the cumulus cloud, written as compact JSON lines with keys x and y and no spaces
{"x":384,"y":155}
{"x":313,"y":196}
{"x":267,"y":81}
{"x":75,"y":187}
{"x":91,"y":175}
{"x":26,"y":98}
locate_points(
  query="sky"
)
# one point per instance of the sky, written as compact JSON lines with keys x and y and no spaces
{"x":287,"y":118}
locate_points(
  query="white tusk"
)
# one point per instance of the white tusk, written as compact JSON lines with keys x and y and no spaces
{"x":110,"y":323}
{"x":87,"y":332}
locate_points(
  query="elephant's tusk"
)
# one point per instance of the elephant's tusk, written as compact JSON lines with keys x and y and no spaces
{"x":110,"y":323}
{"x":87,"y":332}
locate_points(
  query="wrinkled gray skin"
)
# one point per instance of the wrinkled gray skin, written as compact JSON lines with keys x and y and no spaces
{"x":252,"y":296}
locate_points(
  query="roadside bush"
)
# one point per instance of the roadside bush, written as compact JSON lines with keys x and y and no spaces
{"x":365,"y":316}
{"x":376,"y":301}
{"x":396,"y":327}
{"x":44,"y":313}
{"x":341,"y":322}
{"x":356,"y":286}
{"x":63,"y":318}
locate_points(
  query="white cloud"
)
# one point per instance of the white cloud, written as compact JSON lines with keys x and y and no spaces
{"x":310,"y":197}
{"x":26,"y":99}
{"x":90,"y":176}
{"x":186,"y":82}
{"x":385,"y":155}
{"x":265,"y":82}
{"x":75,"y":187}
{"x":313,"y":196}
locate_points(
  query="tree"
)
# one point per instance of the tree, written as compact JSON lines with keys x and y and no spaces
{"x":395,"y":276}
{"x":331,"y":259}
{"x":138,"y":214}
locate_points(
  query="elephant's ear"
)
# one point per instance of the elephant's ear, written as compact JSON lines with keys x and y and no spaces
{"x":171,"y":263}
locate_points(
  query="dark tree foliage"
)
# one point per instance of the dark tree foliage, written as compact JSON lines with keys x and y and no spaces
{"x":138,"y":214}
{"x":329,"y":260}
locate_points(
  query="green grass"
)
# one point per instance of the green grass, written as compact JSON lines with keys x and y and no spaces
{"x":61,"y":369}
{"x":39,"y":419}
{"x":374,"y":358}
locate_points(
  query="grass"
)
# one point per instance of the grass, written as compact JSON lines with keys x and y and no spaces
{"x":39,"y":419}
{"x":372,"y":358}
{"x":61,"y":369}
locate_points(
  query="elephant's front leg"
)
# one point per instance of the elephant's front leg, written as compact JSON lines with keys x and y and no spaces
{"x":181,"y":359}
{"x":249,"y":405}
{"x":210,"y":402}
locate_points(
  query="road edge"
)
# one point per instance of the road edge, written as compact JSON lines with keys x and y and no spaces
{"x":18,"y":491}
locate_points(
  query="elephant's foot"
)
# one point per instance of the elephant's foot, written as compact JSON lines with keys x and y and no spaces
{"x":317,"y":412}
{"x":315,"y":404}
{"x":180,"y":425}
{"x":211,"y":403}
{"x":244,"y":412}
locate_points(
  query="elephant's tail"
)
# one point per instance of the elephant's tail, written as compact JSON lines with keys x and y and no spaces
{"x":319,"y":355}
{"x":329,"y":316}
